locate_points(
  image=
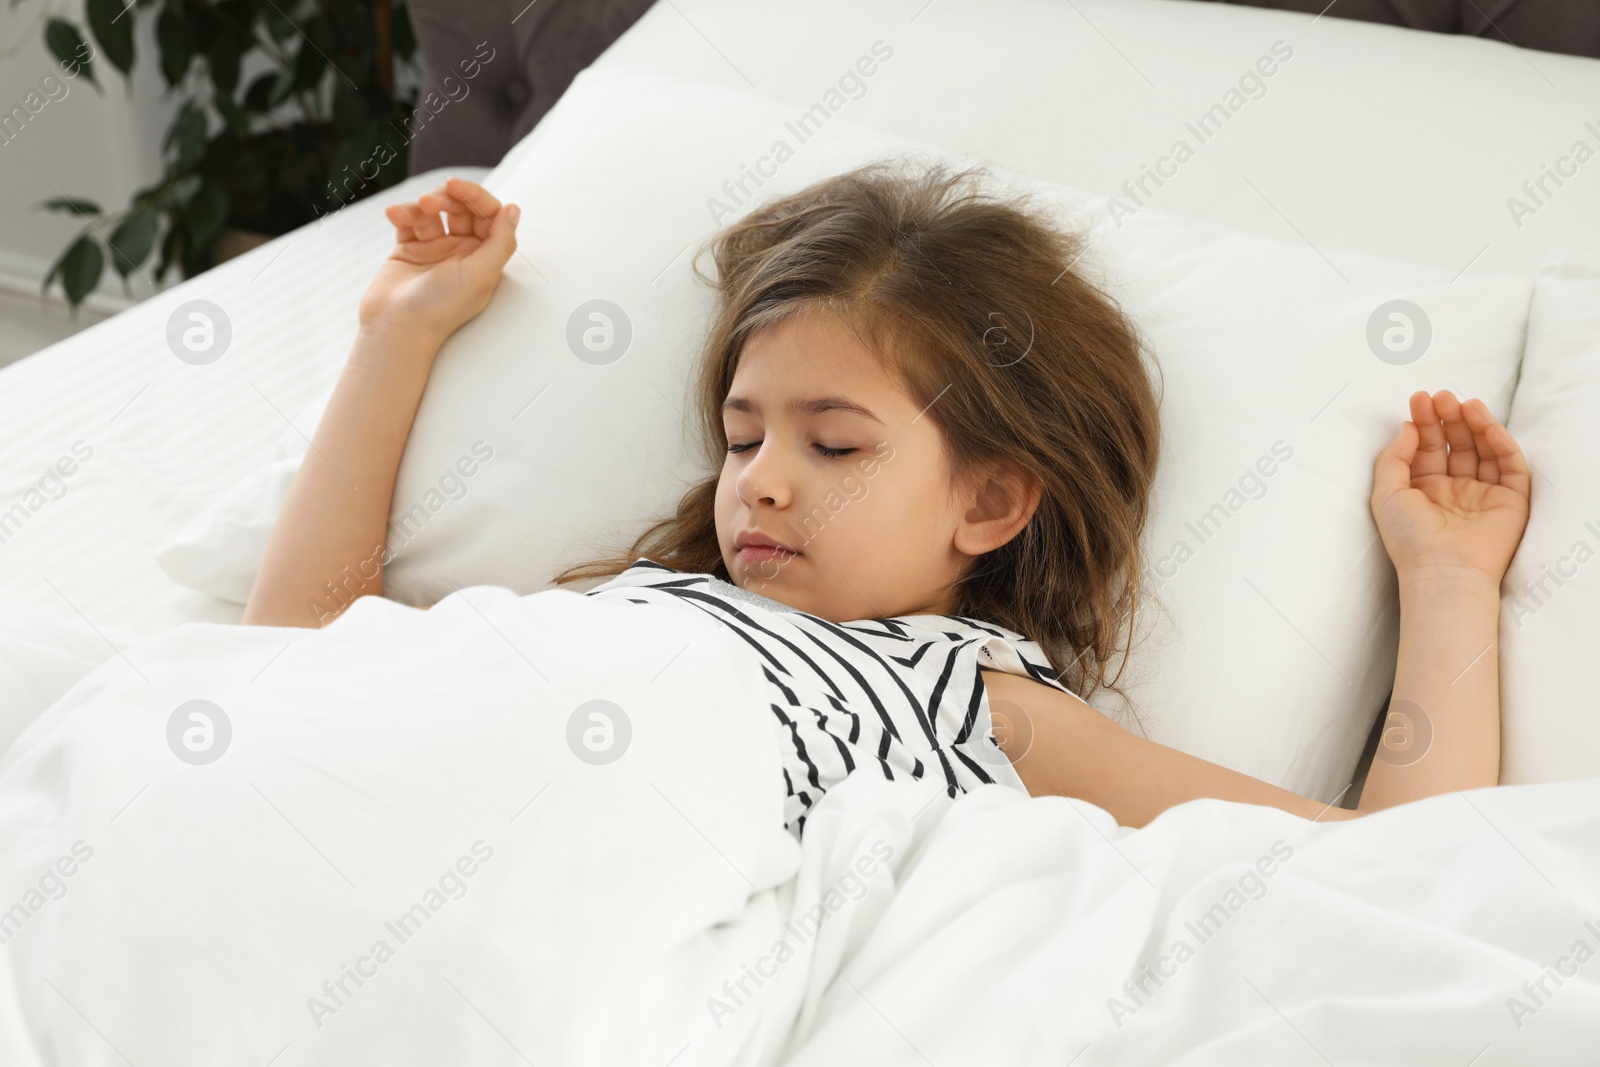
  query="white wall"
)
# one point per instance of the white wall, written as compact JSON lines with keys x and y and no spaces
{"x":99,"y":146}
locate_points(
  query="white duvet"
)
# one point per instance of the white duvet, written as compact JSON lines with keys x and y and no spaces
{"x":408,"y":839}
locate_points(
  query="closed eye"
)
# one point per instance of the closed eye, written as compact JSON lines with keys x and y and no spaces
{"x":831,"y":453}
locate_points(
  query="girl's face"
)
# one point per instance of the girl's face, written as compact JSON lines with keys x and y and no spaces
{"x":829,"y":458}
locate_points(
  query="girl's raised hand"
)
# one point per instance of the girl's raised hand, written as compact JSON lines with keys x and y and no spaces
{"x":435,"y":279}
{"x":1450,"y":492}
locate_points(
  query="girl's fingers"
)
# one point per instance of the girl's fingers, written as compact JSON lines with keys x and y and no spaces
{"x":1511,"y":463}
{"x":462,"y":223}
{"x":469,"y":205}
{"x":423,"y":221}
{"x":417,"y":223}
{"x":1488,"y":462}
{"x":496,"y":249}
{"x":431,"y":250}
{"x":432,"y":204}
{"x":1463,"y":458}
{"x":1392,"y":470}
{"x":1477,"y":417}
{"x":1432,"y":450}
{"x":403,"y":230}
{"x":421,"y":233}
{"x":480,"y":205}
{"x":470,"y":208}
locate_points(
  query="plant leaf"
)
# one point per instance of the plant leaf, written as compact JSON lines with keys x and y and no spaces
{"x":228,"y":108}
{"x":171,"y":250}
{"x":279,"y":26}
{"x":79,"y":268}
{"x":150,"y":195}
{"x":113,"y":28}
{"x":309,"y":65}
{"x":282,"y":86}
{"x":185,"y":188}
{"x":132,"y":240}
{"x":259,"y":92}
{"x":175,"y":36}
{"x":70,"y":205}
{"x":222,"y":55}
{"x":188,"y":133}
{"x":242,"y":13}
{"x":207,"y":213}
{"x":69,"y":47}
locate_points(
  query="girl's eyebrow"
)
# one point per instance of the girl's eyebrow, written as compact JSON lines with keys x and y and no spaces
{"x":816,"y":406}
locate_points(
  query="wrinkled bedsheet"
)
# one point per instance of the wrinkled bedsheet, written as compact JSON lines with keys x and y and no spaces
{"x":547,"y":829}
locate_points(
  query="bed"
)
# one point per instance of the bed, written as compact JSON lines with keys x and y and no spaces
{"x":1373,"y":161}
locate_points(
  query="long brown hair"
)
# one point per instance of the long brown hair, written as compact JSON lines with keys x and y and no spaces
{"x":971,"y":298}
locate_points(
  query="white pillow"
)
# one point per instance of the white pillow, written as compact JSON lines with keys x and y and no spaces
{"x":1550,"y":601}
{"x":1281,"y":643}
{"x":1274,"y":644}
{"x":221,"y":549}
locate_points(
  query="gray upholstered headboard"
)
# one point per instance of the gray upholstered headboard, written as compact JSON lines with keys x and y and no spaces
{"x":541,"y":45}
{"x":1571,"y":26}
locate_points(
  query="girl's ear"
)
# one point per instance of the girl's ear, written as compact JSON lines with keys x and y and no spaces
{"x":995,"y":506}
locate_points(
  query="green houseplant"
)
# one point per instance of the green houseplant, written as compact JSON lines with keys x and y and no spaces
{"x":267,"y":157}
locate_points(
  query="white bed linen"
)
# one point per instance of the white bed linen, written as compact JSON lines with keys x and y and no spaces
{"x":1039,"y":932}
{"x":160,"y":911}
{"x":41,"y":657}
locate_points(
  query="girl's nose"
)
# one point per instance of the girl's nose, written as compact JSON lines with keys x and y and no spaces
{"x":763,"y":479}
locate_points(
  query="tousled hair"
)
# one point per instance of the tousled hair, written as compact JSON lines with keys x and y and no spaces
{"x":971,"y":299}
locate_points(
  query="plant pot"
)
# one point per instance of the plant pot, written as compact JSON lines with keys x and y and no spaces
{"x":236,"y":242}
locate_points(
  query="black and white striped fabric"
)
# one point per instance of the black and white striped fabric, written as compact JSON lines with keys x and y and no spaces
{"x":898,"y":697}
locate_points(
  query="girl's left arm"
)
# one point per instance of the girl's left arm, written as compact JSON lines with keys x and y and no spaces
{"x":1061,"y":746}
{"x":1450,"y":497}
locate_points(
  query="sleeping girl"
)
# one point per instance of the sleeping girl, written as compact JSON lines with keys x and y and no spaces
{"x":930,"y":452}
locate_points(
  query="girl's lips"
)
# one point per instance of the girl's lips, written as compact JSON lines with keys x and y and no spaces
{"x":763,"y":553}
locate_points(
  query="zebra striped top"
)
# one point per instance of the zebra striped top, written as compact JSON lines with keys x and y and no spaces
{"x":896,"y":697}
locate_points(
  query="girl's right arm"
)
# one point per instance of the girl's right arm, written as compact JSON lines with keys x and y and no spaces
{"x":327,"y":547}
